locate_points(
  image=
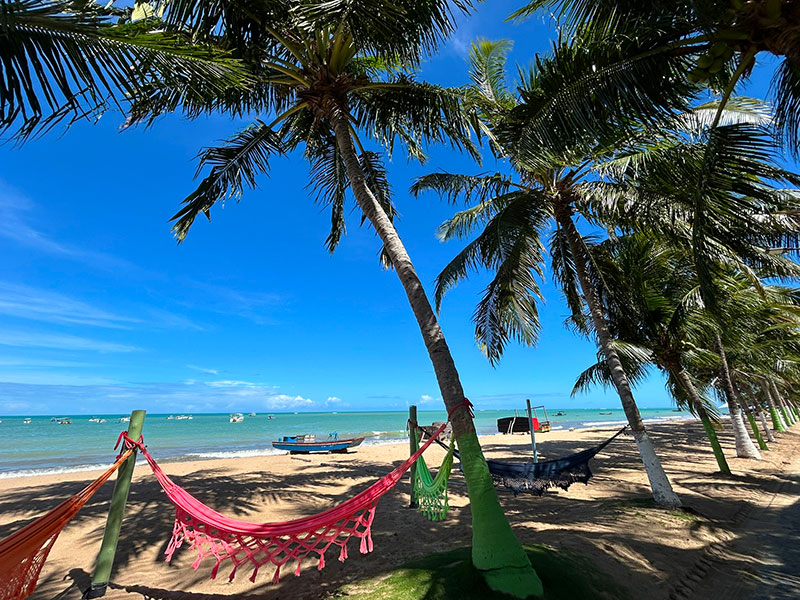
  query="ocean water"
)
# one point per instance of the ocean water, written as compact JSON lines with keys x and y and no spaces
{"x":43,"y":446}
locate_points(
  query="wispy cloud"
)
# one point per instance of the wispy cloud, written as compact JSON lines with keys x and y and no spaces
{"x":427,"y":399}
{"x":29,"y":339}
{"x":203,"y":370}
{"x":37,"y":304}
{"x":15,"y":225}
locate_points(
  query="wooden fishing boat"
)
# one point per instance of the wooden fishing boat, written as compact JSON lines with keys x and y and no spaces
{"x":303,"y":444}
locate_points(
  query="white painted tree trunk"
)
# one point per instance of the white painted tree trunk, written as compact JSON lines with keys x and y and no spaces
{"x":660,"y":485}
{"x":765,"y":424}
{"x":745,"y":448}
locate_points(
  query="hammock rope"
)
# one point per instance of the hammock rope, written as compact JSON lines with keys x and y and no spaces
{"x":430,"y":491}
{"x":23,"y":554}
{"x":211,"y":534}
{"x":538,"y":477}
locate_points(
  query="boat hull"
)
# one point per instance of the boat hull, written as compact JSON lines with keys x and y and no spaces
{"x":337,"y":446}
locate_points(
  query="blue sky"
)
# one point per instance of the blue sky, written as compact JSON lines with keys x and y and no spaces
{"x":101,"y":311}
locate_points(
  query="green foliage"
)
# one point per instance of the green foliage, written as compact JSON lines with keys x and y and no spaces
{"x":450,"y":575}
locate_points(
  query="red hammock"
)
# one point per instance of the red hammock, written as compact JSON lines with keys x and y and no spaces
{"x":22,"y":554}
{"x":210,"y":533}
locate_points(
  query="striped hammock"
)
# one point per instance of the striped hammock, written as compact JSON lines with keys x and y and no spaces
{"x":430,"y":491}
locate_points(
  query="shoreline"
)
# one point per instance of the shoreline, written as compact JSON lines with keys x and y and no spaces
{"x":610,"y":521}
{"x":244,"y":453}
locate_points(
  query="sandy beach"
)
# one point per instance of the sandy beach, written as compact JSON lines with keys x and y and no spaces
{"x":608,"y":521}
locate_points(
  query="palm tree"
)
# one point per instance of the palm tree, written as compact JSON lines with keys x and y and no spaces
{"x":723,"y":38}
{"x":553,"y":187}
{"x":68,"y":60}
{"x":333,"y":77}
{"x":653,"y":308}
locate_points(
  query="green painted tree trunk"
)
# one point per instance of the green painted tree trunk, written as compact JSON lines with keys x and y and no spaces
{"x":787,"y":415}
{"x":663,"y":494}
{"x":773,"y":410}
{"x":686,"y":382}
{"x":754,"y":427}
{"x":495,"y":549}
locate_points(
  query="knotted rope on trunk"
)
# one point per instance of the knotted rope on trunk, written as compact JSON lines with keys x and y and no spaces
{"x":212,"y":535}
{"x":23,"y":554}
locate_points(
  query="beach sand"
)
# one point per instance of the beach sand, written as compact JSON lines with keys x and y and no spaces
{"x":651,"y":551}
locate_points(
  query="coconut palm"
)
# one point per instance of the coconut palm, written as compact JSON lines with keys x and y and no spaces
{"x":68,"y":60}
{"x":655,"y":313}
{"x":515,"y":214}
{"x":724,"y":37}
{"x":334,"y":81}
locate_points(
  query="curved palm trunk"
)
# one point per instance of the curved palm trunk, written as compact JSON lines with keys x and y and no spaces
{"x":765,"y":424}
{"x":660,"y":485}
{"x":744,"y":445}
{"x":787,"y":415}
{"x":495,"y":549}
{"x":752,"y":420}
{"x":773,"y":410}
{"x":686,"y":381}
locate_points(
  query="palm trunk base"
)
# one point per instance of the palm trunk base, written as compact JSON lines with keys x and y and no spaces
{"x":495,"y":549}
{"x":754,"y":427}
{"x":712,"y":437}
{"x":745,"y":448}
{"x":776,"y":420}
{"x":663,"y":493}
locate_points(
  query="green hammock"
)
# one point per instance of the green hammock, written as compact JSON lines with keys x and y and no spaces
{"x":430,"y":491}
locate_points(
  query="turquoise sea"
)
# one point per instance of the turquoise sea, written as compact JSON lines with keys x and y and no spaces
{"x":44,"y":446}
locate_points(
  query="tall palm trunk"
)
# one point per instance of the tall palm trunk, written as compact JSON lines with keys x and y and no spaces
{"x":787,"y":415}
{"x":660,"y":485}
{"x":744,"y":445}
{"x":765,"y":424}
{"x":773,"y":410}
{"x":495,"y":549}
{"x":745,"y":404}
{"x":686,"y":382}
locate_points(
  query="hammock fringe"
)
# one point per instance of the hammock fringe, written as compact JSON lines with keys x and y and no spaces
{"x":213,"y":535}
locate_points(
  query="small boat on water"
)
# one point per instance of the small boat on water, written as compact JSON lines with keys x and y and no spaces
{"x":271,"y":417}
{"x":183,"y":418}
{"x":606,"y":413}
{"x":236,"y":418}
{"x":128,"y":419}
{"x":303,"y":444}
{"x":65,"y":421}
{"x":96,"y":420}
{"x":26,"y":421}
{"x":252,"y":415}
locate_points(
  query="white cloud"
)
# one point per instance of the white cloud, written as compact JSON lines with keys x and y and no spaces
{"x":333,"y":399}
{"x":27,"y":339}
{"x":426,"y":398}
{"x":43,"y":305}
{"x":204,"y":370}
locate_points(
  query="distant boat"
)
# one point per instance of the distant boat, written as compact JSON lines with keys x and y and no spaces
{"x":303,"y":444}
{"x":168,"y":418}
{"x":606,"y":413}
{"x":128,"y":419}
{"x":96,"y":420}
{"x":270,"y":417}
{"x":184,"y":417}
{"x":65,"y":421}
{"x":252,"y":415}
{"x":561,"y":414}
{"x":58,"y":419}
{"x":26,"y":421}
{"x":236,"y":418}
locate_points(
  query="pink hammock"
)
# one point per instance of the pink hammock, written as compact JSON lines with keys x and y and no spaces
{"x":210,"y":533}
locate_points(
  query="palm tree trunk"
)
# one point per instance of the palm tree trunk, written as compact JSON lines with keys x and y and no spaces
{"x":773,"y":410}
{"x":765,"y":424}
{"x":744,"y":445}
{"x":787,"y":417}
{"x":495,"y":549}
{"x":660,"y":485}
{"x":686,"y":382}
{"x":752,"y":420}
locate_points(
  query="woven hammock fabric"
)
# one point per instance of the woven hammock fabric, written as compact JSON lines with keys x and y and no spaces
{"x":23,"y":554}
{"x":538,"y":477}
{"x":211,"y":534}
{"x":430,"y":491}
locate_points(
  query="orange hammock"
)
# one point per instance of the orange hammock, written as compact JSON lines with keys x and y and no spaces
{"x":212,"y":534}
{"x":23,"y":553}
